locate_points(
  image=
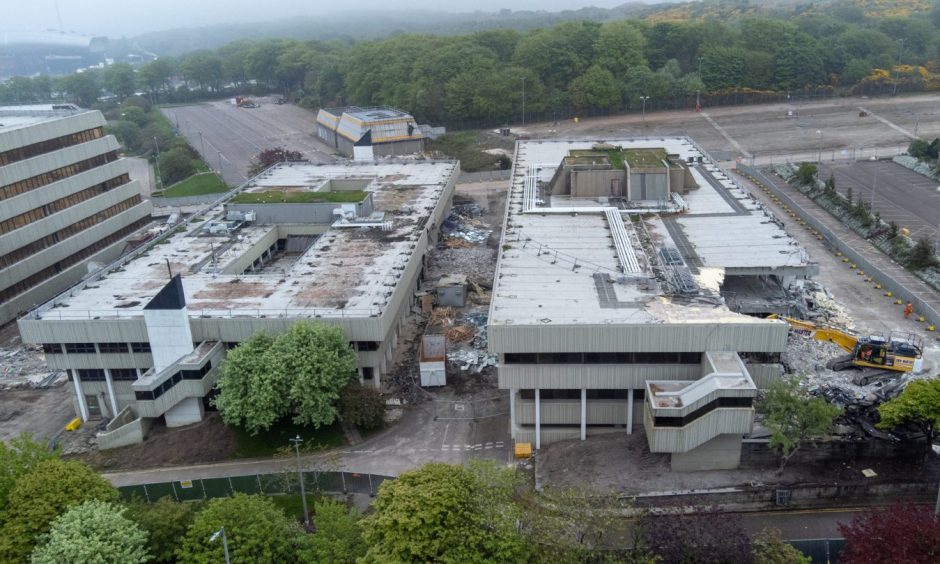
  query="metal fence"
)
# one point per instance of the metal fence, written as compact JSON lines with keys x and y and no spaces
{"x":931,"y":314}
{"x":267,"y":484}
{"x":821,"y":551}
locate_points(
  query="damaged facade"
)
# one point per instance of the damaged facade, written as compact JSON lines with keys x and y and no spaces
{"x":614,"y":300}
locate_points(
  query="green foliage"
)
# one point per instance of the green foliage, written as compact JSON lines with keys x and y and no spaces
{"x":294,"y":197}
{"x":127,"y":133}
{"x":792,"y":418}
{"x":95,"y":531}
{"x":256,"y":530}
{"x":196,"y":185}
{"x":165,"y":522}
{"x":922,"y":256}
{"x":298,"y":374}
{"x":175,"y":165}
{"x":770,"y":549}
{"x":48,"y":489}
{"x":338,"y":537}
{"x":595,"y":89}
{"x":918,"y":405}
{"x":806,"y":174}
{"x":119,"y":79}
{"x":442,"y":513}
{"x":362,"y":406}
{"x":18,"y":459}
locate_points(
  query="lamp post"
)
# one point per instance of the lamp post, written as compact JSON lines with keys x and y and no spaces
{"x":156,"y":162}
{"x":300,"y":477}
{"x":217,"y":534}
{"x":819,"y":145}
{"x":202,"y":143}
{"x":644,"y":99}
{"x":936,"y":246}
{"x":523,"y":101}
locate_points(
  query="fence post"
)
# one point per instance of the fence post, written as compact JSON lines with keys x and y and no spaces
{"x":371,"y":488}
{"x":231,"y":487}
{"x":342,"y":476}
{"x":146,"y":494}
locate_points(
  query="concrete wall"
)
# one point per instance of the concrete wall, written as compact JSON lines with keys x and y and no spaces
{"x":721,"y":453}
{"x":300,"y":213}
{"x":591,"y":376}
{"x":721,"y":421}
{"x":124,"y":430}
{"x":598,"y":183}
{"x":568,"y":412}
{"x":50,"y":130}
{"x":649,"y":185}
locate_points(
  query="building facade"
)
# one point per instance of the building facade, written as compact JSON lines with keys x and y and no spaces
{"x":66,"y":201}
{"x":378,"y":131}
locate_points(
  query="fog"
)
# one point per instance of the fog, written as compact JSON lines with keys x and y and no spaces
{"x":117,"y":18}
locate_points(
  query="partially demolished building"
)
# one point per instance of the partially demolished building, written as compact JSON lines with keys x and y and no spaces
{"x":616,"y":292}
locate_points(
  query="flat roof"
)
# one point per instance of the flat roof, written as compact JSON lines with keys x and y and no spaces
{"x":347,"y":271}
{"x":375,"y":113}
{"x":17,"y":117}
{"x":568,"y":261}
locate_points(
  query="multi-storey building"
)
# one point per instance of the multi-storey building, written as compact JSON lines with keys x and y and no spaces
{"x":616,"y":303}
{"x":66,"y":201}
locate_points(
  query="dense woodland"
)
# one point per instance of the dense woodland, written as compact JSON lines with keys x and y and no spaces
{"x":572,"y":68}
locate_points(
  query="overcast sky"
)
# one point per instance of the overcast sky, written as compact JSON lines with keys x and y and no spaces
{"x":116,"y":18}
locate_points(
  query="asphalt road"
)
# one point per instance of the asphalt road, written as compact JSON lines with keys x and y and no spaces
{"x":229,"y":138}
{"x":900,"y":195}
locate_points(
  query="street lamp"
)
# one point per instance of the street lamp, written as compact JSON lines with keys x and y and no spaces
{"x":157,"y":162}
{"x":300,"y":477}
{"x":523,"y":101}
{"x":936,"y":246}
{"x":215,"y":535}
{"x":644,"y":99}
{"x":819,"y":145}
{"x":202,"y":143}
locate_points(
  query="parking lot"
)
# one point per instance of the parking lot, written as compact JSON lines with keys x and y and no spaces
{"x":229,"y":137}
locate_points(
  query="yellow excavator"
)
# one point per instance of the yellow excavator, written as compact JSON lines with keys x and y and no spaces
{"x":898,"y":352}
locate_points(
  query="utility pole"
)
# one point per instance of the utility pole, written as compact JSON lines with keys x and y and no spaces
{"x":202,"y":143}
{"x":873,"y":187}
{"x":900,"y":48}
{"x":300,"y":477}
{"x":220,"y":163}
{"x":215,"y":535}
{"x":819,"y":145}
{"x":523,"y":101}
{"x":644,"y":99}
{"x":156,"y":162}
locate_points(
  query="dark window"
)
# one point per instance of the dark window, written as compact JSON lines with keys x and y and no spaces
{"x":140,"y":347}
{"x":49,"y":145}
{"x":124,"y":374}
{"x":550,"y":394}
{"x":52,"y":348}
{"x":80,"y":348}
{"x":112,"y":347}
{"x":367,"y":373}
{"x":604,"y":358}
{"x":365,"y":346}
{"x":144,"y":395}
{"x":91,"y":374}
{"x":705,"y":409}
{"x":198,"y":373}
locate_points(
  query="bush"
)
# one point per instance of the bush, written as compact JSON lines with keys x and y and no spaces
{"x":922,"y":256}
{"x":806,"y":174}
{"x":361,"y":406}
{"x":175,"y":165}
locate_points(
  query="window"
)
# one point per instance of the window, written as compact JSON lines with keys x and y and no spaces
{"x":366,"y":346}
{"x":52,"y":348}
{"x":91,"y":374}
{"x":124,"y":374}
{"x":604,"y":358}
{"x":551,"y":394}
{"x":45,"y":178}
{"x":140,"y":347}
{"x":198,"y":373}
{"x":62,"y":203}
{"x":367,"y":373}
{"x":49,"y":145}
{"x":708,"y":407}
{"x":112,"y":347}
{"x":80,"y":348}
{"x":143,"y":396}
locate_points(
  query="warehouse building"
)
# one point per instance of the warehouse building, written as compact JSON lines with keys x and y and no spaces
{"x":613,"y":309}
{"x":340,"y":244}
{"x":365,"y":133}
{"x":66,"y":202}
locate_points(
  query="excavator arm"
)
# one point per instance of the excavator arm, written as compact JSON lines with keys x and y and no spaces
{"x":845,"y":340}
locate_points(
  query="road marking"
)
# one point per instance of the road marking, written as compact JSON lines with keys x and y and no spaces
{"x":499,"y":444}
{"x":888,"y":123}
{"x":724,"y":134}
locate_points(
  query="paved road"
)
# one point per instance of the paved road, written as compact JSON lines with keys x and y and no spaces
{"x":901,"y":195}
{"x":228,"y":137}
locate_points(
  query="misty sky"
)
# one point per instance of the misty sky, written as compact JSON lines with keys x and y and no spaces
{"x":116,"y":18}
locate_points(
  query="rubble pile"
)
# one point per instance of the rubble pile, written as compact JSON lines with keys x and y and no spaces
{"x":464,"y":223}
{"x":824,"y":307}
{"x":24,"y":366}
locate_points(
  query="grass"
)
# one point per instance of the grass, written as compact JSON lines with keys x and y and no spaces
{"x":196,"y":185}
{"x":645,"y":158}
{"x":276,"y":440}
{"x":291,"y":505}
{"x":281,"y":197}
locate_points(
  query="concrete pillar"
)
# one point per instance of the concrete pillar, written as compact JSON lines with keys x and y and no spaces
{"x":583,"y":414}
{"x":512,"y":413}
{"x":630,"y":411}
{"x":361,"y":379}
{"x":188,"y":411}
{"x":103,"y":406}
{"x":82,"y":407}
{"x":111,"y":396}
{"x":538,"y":421}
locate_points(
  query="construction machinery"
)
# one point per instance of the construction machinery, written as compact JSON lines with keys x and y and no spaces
{"x":896,"y":352}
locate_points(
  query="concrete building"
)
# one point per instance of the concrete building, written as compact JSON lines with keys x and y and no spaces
{"x":610,"y":308}
{"x":28,"y":52}
{"x":341,"y":244}
{"x":365,"y":133}
{"x":66,"y":201}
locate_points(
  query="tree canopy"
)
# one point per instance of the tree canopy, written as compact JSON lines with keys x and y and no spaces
{"x":793,"y":418}
{"x":913,"y":530}
{"x":165,"y":522}
{"x":918,"y":405}
{"x":338,"y":537}
{"x":95,"y":531}
{"x":19,"y":458}
{"x":298,"y":374}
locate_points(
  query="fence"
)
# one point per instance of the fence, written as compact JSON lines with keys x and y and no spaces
{"x":267,"y":484}
{"x":821,"y":551}
{"x":931,"y":314}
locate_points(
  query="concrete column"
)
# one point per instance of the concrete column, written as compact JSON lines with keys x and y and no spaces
{"x":188,"y":411}
{"x":82,"y":407}
{"x":361,"y":379}
{"x":111,"y":396}
{"x":512,"y":413}
{"x":538,"y":421}
{"x":583,"y":414}
{"x":630,"y":411}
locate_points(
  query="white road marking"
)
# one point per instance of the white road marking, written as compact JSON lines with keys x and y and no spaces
{"x":724,"y":134}
{"x":897,"y":128}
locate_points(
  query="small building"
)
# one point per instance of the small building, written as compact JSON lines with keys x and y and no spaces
{"x":387,"y":131}
{"x":452,"y":290}
{"x":432,"y":360}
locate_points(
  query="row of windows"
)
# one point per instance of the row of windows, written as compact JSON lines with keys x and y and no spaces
{"x":61,"y":235}
{"x":172,"y":381}
{"x":75,"y":258}
{"x":549,"y":394}
{"x":707,"y":408}
{"x":89,"y":348}
{"x":43,"y":147}
{"x":604,"y":358}
{"x":62,"y":203}
{"x":45,"y":178}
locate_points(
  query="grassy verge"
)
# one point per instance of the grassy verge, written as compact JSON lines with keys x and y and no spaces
{"x":469,"y":147}
{"x":196,"y":185}
{"x":276,"y":440}
{"x":280,"y":197}
{"x":291,"y":504}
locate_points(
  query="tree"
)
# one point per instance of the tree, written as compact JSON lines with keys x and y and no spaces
{"x":175,"y":165}
{"x":298,"y":374}
{"x":770,"y":549}
{"x":270,"y":157}
{"x":595,"y":89}
{"x":918,"y":405}
{"x":119,"y":79}
{"x":256,"y":530}
{"x":441,"y":513}
{"x":922,"y":256}
{"x":82,"y":88}
{"x":39,"y":496}
{"x":698,"y":538}
{"x":127,"y":133}
{"x":19,"y":458}
{"x":338,"y":537}
{"x":806,"y":174}
{"x":155,"y":75}
{"x":361,"y":406}
{"x":165,"y":522}
{"x":792,"y":418}
{"x":95,"y":531}
{"x":901,"y":533}
{"x":619,"y":46}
